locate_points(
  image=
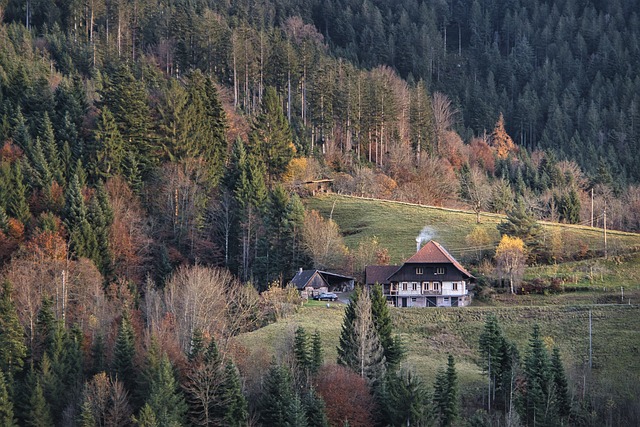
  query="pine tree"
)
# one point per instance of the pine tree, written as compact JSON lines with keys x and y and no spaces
{"x":315,"y":409}
{"x":17,"y":205}
{"x":12,"y":347}
{"x":100,"y":227}
{"x":197,"y":345}
{"x":359,"y":348}
{"x":82,"y":237}
{"x":409,"y":401}
{"x":236,"y":412}
{"x":301,"y":349}
{"x":393,"y":349}
{"x":7,"y":418}
{"x":522,"y":224}
{"x":445,"y":394}
{"x":296,"y":416}
{"x":166,"y":400}
{"x":51,"y":152}
{"x":124,"y":352}
{"x":41,"y":174}
{"x":86,"y":415}
{"x":147,"y":417}
{"x":276,"y":397}
{"x":317,"y":352}
{"x":271,"y":137}
{"x":39,"y":414}
{"x":538,"y":401}
{"x":561,"y":386}
{"x":109,"y":147}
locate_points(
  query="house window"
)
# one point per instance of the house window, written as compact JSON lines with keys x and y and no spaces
{"x":404,"y":286}
{"x":419,"y":270}
{"x":414,"y":299}
{"x":436,"y":286}
{"x":455,"y":286}
{"x":415,"y":286}
{"x":439,"y":270}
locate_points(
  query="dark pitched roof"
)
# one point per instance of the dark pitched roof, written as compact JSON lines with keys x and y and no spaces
{"x":379,"y":273}
{"x":302,"y":277}
{"x":433,"y":252}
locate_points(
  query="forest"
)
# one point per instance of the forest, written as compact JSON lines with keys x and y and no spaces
{"x":152,"y":163}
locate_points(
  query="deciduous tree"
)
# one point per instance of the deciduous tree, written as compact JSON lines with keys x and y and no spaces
{"x":510,"y":256}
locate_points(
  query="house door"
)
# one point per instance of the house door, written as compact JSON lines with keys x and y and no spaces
{"x":454,"y":302}
{"x":404,"y":302}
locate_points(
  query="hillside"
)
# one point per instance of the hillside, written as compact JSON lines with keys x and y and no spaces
{"x":396,"y":225}
{"x":433,"y":333}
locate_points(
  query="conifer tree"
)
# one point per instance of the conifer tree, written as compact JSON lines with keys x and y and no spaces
{"x":560,"y":383}
{"x":522,"y":224}
{"x":109,"y":147}
{"x":39,"y":414}
{"x":271,"y":137}
{"x":317,"y":352}
{"x":100,"y":227}
{"x":4,"y":218}
{"x":409,"y":401}
{"x":51,"y":152}
{"x":86,"y":415}
{"x":296,"y":413}
{"x":17,"y":205}
{"x":393,"y":349}
{"x":124,"y":352}
{"x":276,"y":397}
{"x":12,"y":347}
{"x":538,"y":400}
{"x":359,"y":347}
{"x":501,"y":140}
{"x":301,"y":349}
{"x":146,"y":418}
{"x":315,"y":409}
{"x":41,"y":175}
{"x":82,"y":238}
{"x":236,"y":413}
{"x":166,"y":400}
{"x":197,"y":345}
{"x":7,"y":418}
{"x":445,"y":394}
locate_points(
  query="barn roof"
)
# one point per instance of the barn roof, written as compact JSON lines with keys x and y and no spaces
{"x":303,"y":277}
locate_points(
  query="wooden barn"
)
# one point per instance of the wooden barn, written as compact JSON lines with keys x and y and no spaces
{"x":315,"y":282}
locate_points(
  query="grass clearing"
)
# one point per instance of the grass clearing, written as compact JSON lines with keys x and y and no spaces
{"x":431,"y":334}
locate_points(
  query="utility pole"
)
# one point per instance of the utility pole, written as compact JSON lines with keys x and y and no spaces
{"x":590,"y":343}
{"x":592,"y":206}
{"x":605,"y":231}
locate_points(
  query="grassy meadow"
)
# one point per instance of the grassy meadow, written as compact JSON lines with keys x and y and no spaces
{"x":431,"y":334}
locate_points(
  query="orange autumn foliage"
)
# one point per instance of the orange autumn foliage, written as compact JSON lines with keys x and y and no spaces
{"x":346,"y":396}
{"x":10,"y":152}
{"x":501,"y":140}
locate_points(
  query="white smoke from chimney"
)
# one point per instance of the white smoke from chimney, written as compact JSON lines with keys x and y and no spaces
{"x":425,"y":235}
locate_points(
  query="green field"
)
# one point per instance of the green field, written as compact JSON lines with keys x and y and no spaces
{"x":396,"y":226}
{"x":430,"y":334}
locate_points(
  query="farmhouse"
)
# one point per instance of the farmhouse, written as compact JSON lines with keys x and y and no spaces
{"x":430,"y":278}
{"x":314,"y":282}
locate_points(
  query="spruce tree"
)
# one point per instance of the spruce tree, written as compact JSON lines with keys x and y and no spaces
{"x":39,"y":414}
{"x":166,"y":400}
{"x":296,"y":416}
{"x":274,"y":404}
{"x":538,"y":400}
{"x":146,"y":418}
{"x":7,"y":418}
{"x":51,"y":152}
{"x":124,"y":352}
{"x":346,"y":347}
{"x":109,"y":147}
{"x":317,"y":352}
{"x":445,"y":394}
{"x":100,"y":227}
{"x":83,"y":240}
{"x":12,"y":347}
{"x":236,"y":412}
{"x":196,"y":349}
{"x":409,"y":401}
{"x":271,"y":137}
{"x":315,"y":409}
{"x":560,"y":383}
{"x":301,"y":349}
{"x":393,"y":349}
{"x":17,"y":205}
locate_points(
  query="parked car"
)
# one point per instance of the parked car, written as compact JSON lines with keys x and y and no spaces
{"x":326,"y":296}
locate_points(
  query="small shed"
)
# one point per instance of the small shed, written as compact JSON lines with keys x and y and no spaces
{"x":315,"y":282}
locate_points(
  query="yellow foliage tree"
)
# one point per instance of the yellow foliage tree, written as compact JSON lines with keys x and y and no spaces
{"x":510,"y":258}
{"x":501,"y":140}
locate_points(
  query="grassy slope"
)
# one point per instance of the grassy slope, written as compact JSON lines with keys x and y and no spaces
{"x":396,"y":226}
{"x":430,"y":334}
